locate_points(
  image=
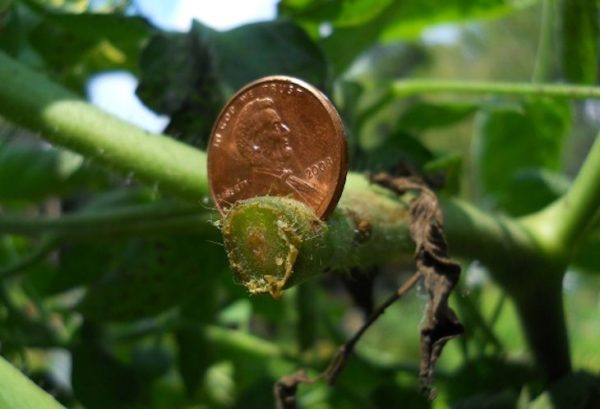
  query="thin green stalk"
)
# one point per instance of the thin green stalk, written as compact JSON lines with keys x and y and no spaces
{"x":127,"y":219}
{"x":34,"y":102}
{"x":544,"y":52}
{"x":405,"y":88}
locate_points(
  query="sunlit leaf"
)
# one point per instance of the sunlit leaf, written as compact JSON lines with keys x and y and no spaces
{"x":385,"y":21}
{"x":18,"y":392}
{"x":340,"y":13}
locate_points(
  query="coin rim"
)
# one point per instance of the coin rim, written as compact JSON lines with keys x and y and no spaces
{"x":337,"y":124}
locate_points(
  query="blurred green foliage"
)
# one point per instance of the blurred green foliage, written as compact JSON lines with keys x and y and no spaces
{"x":156,"y":321}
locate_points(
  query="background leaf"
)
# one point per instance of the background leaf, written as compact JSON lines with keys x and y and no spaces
{"x":187,"y":75}
{"x":425,"y":115}
{"x":151,"y":276}
{"x":397,"y":20}
{"x":43,"y":172}
{"x":516,"y":137}
{"x":75,"y":46}
{"x":100,"y":381}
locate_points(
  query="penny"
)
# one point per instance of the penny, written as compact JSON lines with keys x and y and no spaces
{"x":278,"y":136}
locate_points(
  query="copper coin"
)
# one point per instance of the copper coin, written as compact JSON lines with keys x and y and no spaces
{"x":278,"y":136}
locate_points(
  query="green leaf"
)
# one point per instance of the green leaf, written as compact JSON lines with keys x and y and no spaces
{"x":179,"y":78}
{"x":151,"y":276}
{"x":580,"y":390}
{"x":447,"y":169}
{"x":340,"y":13}
{"x":587,"y":256}
{"x":186,"y":75}
{"x":18,"y":392}
{"x":99,"y":380}
{"x":400,"y":149}
{"x":75,"y":46}
{"x":42,"y":172}
{"x":579,"y":30}
{"x":489,"y":376}
{"x":531,"y":189}
{"x":11,"y":28}
{"x":279,"y":47}
{"x":515,"y":137}
{"x":195,"y":352}
{"x":385,"y":21}
{"x":4,"y":5}
{"x":82,"y":263}
{"x":426,"y":115}
{"x":150,"y":362}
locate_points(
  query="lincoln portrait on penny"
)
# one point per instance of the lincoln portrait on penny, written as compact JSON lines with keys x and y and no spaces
{"x":263,"y":141}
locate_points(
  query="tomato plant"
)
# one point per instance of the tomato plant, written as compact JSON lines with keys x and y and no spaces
{"x":116,"y":270}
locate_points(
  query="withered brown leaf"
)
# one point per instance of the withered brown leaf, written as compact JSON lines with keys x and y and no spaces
{"x":438,"y":272}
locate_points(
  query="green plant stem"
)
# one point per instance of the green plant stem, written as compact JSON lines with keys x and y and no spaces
{"x":558,"y":227}
{"x":582,"y":201}
{"x":405,"y":88}
{"x":369,"y":227}
{"x":543,"y":58}
{"x":542,"y":315}
{"x":133,"y":219}
{"x":31,"y":100}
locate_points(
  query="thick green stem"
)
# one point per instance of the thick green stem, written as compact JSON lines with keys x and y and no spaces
{"x":542,"y":315}
{"x":31,"y":100}
{"x":582,"y":201}
{"x":275,"y":242}
{"x":558,"y":227}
